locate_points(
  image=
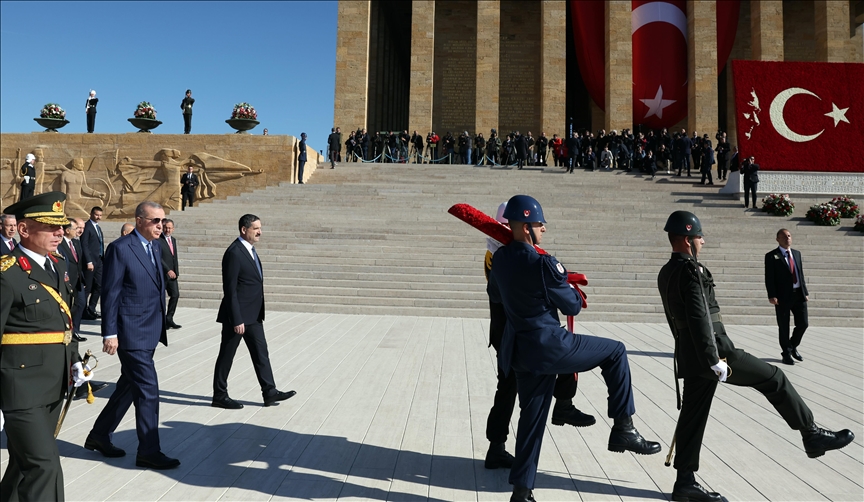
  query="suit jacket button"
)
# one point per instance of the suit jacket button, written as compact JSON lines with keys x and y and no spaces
{"x":22,"y":366}
{"x":37,"y":300}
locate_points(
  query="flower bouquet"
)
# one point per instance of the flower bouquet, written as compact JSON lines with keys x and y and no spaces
{"x":244,"y":111}
{"x":145,"y":111}
{"x":847,"y":207}
{"x":778,"y":205}
{"x":859,"y":223}
{"x":52,"y":111}
{"x":824,"y":214}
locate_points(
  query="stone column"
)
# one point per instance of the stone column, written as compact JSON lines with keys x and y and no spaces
{"x":488,"y":43}
{"x":619,"y":65}
{"x":831,"y":20}
{"x":352,"y":65}
{"x":422,"y":67}
{"x":598,"y":116}
{"x":553,"y":66}
{"x":766,"y":29}
{"x":702,"y":67}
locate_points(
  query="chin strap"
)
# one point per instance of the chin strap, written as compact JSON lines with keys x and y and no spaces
{"x":533,"y":236}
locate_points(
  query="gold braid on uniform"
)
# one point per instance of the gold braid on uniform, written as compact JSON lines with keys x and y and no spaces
{"x":6,"y":261}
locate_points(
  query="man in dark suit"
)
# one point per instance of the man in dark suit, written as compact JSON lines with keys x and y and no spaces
{"x":171,"y":269}
{"x":93,"y":247}
{"x":28,"y":177}
{"x":684,"y":148}
{"x":37,"y":351}
{"x":133,"y":324}
{"x":242,"y":314}
{"x":787,"y":291}
{"x":186,"y":106}
{"x":188,"y":185}
{"x":8,"y":227}
{"x":301,"y":158}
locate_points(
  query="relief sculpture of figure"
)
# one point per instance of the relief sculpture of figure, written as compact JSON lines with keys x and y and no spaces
{"x":212,"y":169}
{"x":73,"y":182}
{"x":150,"y":180}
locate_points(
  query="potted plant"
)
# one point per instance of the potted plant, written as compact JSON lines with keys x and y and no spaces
{"x":52,"y":117}
{"x":244,"y":118}
{"x":145,"y":117}
{"x":859,"y":223}
{"x":778,"y":205}
{"x":824,"y":214}
{"x":847,"y":207}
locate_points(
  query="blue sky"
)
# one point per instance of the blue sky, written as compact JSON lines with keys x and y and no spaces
{"x":278,"y":56}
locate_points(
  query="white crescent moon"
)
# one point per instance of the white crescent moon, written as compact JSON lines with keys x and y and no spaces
{"x":776,"y":114}
{"x":658,"y":12}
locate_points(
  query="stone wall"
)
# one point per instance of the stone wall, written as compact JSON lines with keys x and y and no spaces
{"x":118,"y":171}
{"x":519,"y":90}
{"x":454,"y":89}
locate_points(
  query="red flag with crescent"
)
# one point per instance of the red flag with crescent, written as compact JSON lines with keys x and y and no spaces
{"x":659,"y":31}
{"x":795,"y":116}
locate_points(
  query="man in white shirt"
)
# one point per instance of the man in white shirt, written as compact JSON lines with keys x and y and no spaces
{"x":8,"y":224}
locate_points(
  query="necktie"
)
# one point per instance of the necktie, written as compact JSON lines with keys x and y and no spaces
{"x":11,"y":244}
{"x":101,"y":242}
{"x":150,"y":253}
{"x":257,"y":262}
{"x":51,"y":271}
{"x":170,"y":246}
{"x":74,"y":253}
{"x":792,"y":266}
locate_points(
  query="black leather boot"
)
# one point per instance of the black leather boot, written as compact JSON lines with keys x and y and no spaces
{"x":522,"y":495}
{"x":565,"y":413}
{"x":624,"y":436}
{"x":694,"y":492}
{"x":818,"y":440}
{"x":497,"y":457}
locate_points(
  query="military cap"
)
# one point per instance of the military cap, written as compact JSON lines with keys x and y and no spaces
{"x":45,"y":208}
{"x":683,"y":223}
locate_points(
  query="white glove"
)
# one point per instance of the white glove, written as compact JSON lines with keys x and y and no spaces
{"x":2,"y":421}
{"x":721,"y":369}
{"x":26,"y":179}
{"x":78,"y":376}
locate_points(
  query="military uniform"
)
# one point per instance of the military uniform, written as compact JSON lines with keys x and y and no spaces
{"x":28,"y":185}
{"x":35,"y":356}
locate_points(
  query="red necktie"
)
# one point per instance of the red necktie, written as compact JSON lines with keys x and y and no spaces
{"x":792,"y":267}
{"x":74,"y":253}
{"x":170,"y":246}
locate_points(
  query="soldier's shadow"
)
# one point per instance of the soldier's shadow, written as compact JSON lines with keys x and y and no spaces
{"x":311,"y":466}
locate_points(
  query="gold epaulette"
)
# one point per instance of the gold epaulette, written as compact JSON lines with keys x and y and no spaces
{"x":58,"y":255}
{"x":6,"y":261}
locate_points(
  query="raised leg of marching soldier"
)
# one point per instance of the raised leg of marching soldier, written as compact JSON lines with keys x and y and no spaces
{"x":32,"y":449}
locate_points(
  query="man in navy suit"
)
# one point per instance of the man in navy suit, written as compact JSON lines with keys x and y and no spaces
{"x":133,"y":324}
{"x":8,"y":227}
{"x":787,"y":291}
{"x":301,"y":158}
{"x":93,"y":245}
{"x":242,"y":314}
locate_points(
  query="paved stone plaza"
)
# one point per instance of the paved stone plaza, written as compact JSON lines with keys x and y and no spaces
{"x":394,"y":408}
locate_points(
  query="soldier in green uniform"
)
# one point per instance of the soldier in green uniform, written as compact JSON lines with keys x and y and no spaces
{"x":37,"y":353}
{"x":705,"y":356}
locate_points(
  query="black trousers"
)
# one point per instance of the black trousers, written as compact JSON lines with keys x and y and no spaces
{"x":34,"y":471}
{"x":93,"y":283}
{"x":78,"y":309}
{"x":541,"y":157}
{"x":722,"y":170}
{"x":798,"y":308}
{"x":747,"y":371}
{"x":706,"y":173}
{"x":187,"y":123}
{"x":188,"y":197}
{"x":498,"y":422}
{"x":173,"y":289}
{"x":91,"y":121}
{"x":27,"y":190}
{"x":257,"y":345}
{"x":300,"y":165}
{"x":749,"y":188}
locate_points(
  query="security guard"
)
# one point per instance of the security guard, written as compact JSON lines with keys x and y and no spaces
{"x":704,"y":356}
{"x":37,"y":352}
{"x":533,"y":287}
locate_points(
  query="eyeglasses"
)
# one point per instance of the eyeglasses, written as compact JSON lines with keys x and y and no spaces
{"x":155,"y":221}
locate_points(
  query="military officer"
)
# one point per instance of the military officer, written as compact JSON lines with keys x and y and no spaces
{"x":705,"y":356}
{"x":533,"y":287}
{"x":28,"y":177}
{"x":37,"y":352}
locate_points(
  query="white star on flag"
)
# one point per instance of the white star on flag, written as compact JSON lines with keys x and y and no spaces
{"x":838,"y":114}
{"x":656,"y":105}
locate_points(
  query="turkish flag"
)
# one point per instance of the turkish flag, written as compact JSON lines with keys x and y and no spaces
{"x":795,"y":116}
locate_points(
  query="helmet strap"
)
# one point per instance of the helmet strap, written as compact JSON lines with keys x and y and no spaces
{"x":692,"y":247}
{"x":533,"y":235}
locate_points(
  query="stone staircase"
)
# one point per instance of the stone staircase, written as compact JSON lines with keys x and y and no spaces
{"x":377,"y":239}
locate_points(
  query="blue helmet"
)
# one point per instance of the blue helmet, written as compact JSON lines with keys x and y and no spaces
{"x":524,"y":208}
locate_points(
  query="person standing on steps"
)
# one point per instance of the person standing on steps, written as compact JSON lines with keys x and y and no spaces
{"x":787,"y":291}
{"x":301,"y":158}
{"x":186,"y":106}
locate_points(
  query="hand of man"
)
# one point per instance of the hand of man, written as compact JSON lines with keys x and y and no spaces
{"x":79,"y":375}
{"x":807,"y":298}
{"x":773,"y":301}
{"x":721,"y":369}
{"x":90,"y":267}
{"x":240,"y":329}
{"x":109,"y":346}
{"x":171,"y":274}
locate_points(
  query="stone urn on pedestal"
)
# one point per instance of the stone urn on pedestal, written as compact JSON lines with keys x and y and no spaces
{"x":52,"y":117}
{"x":145,"y":117}
{"x":244,"y":118}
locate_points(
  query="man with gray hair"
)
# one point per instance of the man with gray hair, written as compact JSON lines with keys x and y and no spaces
{"x":8,"y":227}
{"x":126,"y":229}
{"x":28,"y":175}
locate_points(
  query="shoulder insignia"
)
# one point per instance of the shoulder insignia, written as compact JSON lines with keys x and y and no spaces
{"x":554,"y":266}
{"x":57,"y":255}
{"x":6,"y":261}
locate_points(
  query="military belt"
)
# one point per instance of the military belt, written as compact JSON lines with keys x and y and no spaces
{"x":36,"y":338}
{"x":682,"y":324}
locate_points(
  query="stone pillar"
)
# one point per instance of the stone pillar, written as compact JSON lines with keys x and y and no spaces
{"x":553,"y":66}
{"x":619,"y":65}
{"x":702,"y":67}
{"x":422,"y":66}
{"x":352,"y":64}
{"x":598,"y":116}
{"x":766,"y":29}
{"x":831,"y":20}
{"x":488,"y":43}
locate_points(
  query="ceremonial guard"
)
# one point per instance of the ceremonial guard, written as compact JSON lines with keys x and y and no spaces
{"x":186,"y":106}
{"x":533,"y":287}
{"x":37,"y":353}
{"x":705,"y":356}
{"x":28,"y":177}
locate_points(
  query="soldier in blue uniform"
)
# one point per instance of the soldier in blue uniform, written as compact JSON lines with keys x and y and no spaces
{"x":706,"y":356}
{"x":533,"y":287}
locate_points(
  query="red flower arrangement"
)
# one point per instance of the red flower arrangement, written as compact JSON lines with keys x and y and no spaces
{"x":859,"y":223}
{"x":145,"y":111}
{"x":778,"y":205}
{"x":244,"y":111}
{"x":52,"y":111}
{"x":847,"y":207}
{"x":824,"y":214}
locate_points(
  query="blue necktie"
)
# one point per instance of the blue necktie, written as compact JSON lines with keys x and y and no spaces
{"x":150,"y":253}
{"x":257,"y":262}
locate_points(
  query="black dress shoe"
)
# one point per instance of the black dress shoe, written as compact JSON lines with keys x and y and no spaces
{"x":89,"y":315}
{"x":81,"y":392}
{"x":497,"y":457}
{"x":105,"y":448}
{"x":158,"y":461}
{"x":787,"y":358}
{"x":226,"y":403}
{"x":818,"y":440}
{"x":522,"y":495}
{"x":78,"y":338}
{"x":278,"y":396}
{"x":624,"y":436}
{"x":794,"y":353}
{"x":172,"y":325}
{"x":694,"y":492}
{"x":565,"y":413}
